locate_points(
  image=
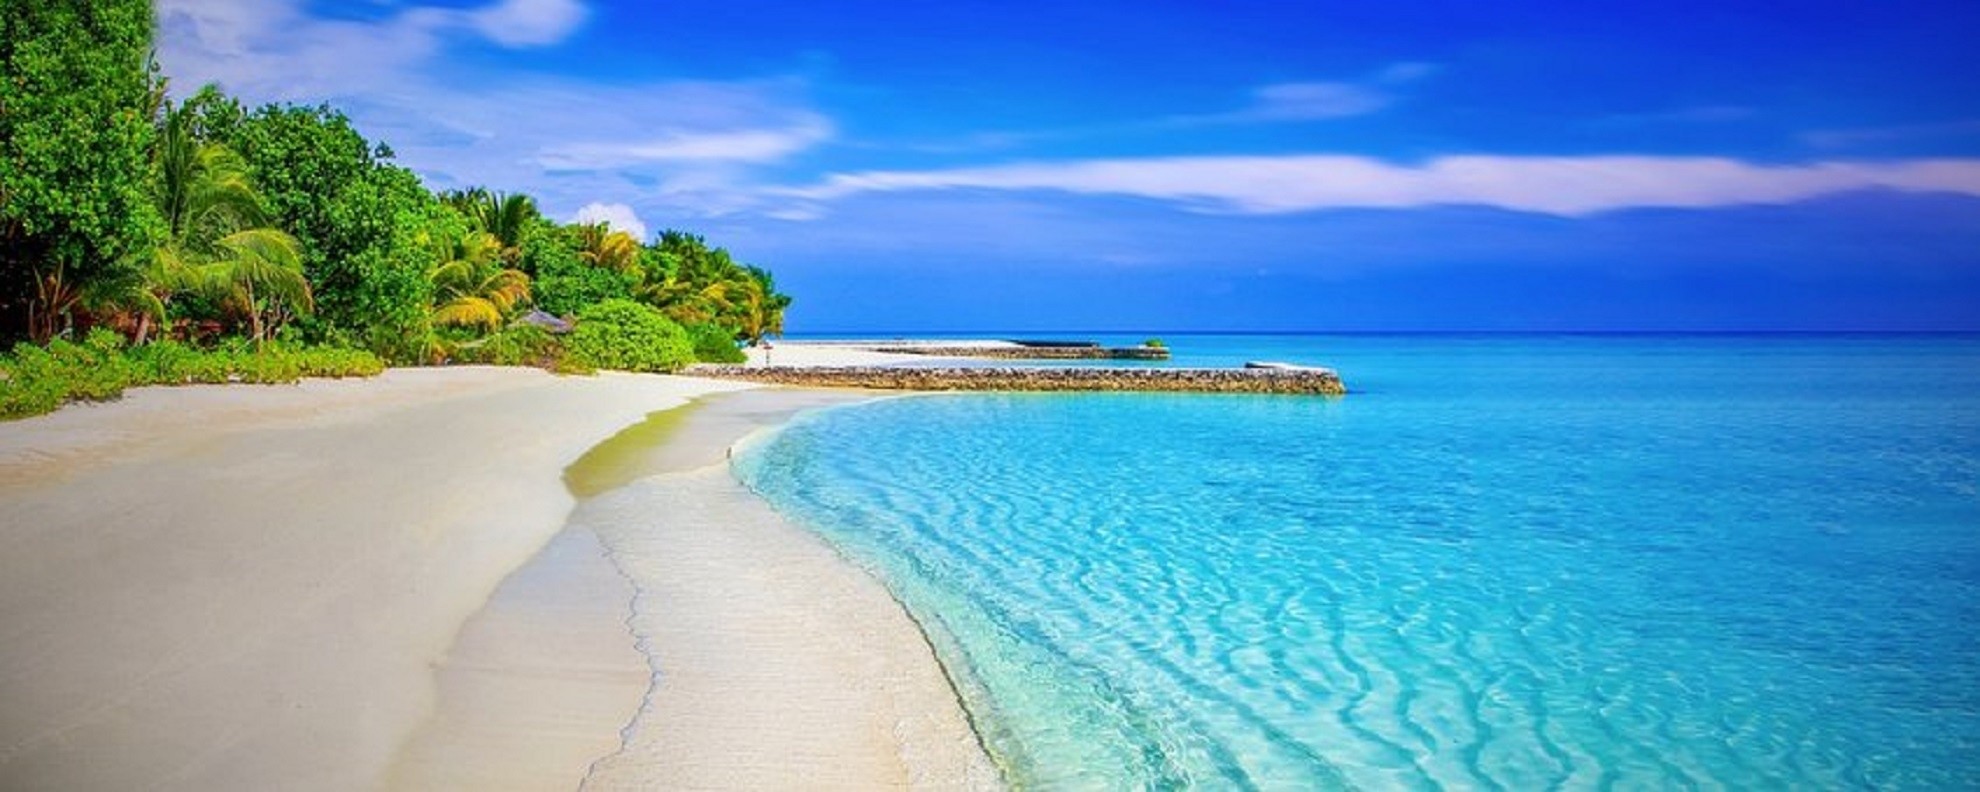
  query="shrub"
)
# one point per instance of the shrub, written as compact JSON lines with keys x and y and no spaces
{"x":32,"y":383}
{"x":520,"y":345}
{"x":714,"y":343}
{"x":628,"y":336}
{"x":167,"y":362}
{"x":95,"y":369}
{"x":1155,"y":343}
{"x":339,"y":362}
{"x":34,"y":380}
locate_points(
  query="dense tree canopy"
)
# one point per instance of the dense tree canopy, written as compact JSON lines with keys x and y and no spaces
{"x":211,"y":224}
{"x":77,"y":100}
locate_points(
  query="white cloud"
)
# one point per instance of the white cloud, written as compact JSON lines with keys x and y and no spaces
{"x":1965,"y":129}
{"x":275,"y":49}
{"x":1316,"y":101}
{"x":728,"y":145}
{"x":674,"y":148}
{"x":1567,"y":186}
{"x":529,"y":23}
{"x":1311,"y":101}
{"x":619,"y":216}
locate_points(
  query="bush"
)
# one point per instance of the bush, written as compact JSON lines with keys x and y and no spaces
{"x":335,"y":362}
{"x":564,"y":283}
{"x":520,"y":345}
{"x":33,"y":384}
{"x":34,"y":380}
{"x":96,"y":369}
{"x":714,"y":343}
{"x":1155,"y":343}
{"x":628,"y":336}
{"x":169,"y":363}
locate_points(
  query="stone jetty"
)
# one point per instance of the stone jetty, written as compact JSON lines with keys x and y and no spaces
{"x":1031,"y":351}
{"x":1307,"y":381}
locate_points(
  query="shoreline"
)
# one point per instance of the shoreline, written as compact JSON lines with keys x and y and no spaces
{"x":822,"y":677}
{"x":675,"y":682}
{"x":248,"y":586}
{"x":380,"y":584}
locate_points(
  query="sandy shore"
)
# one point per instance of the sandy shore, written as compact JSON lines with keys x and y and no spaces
{"x":829,"y":353}
{"x":777,"y":664}
{"x":253,"y":587}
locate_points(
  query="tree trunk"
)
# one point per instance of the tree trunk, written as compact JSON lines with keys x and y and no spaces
{"x":254,"y":318}
{"x":52,"y":299}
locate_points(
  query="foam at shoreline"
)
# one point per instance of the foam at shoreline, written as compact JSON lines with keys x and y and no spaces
{"x":247,"y":587}
{"x":776,"y":663}
{"x":763,"y":659}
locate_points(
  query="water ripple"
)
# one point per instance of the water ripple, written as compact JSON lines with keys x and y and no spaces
{"x":1582,"y":585}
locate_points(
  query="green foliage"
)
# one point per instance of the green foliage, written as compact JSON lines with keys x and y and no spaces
{"x":704,"y":284}
{"x":358,"y":217}
{"x":472,"y":287}
{"x":508,"y":217}
{"x":76,"y":103}
{"x":566,"y":282}
{"x":715,"y":344}
{"x":1155,"y":343}
{"x":33,"y":383}
{"x":629,"y":336}
{"x":35,"y":380}
{"x":219,"y":243}
{"x":201,"y":222}
{"x":520,"y":345}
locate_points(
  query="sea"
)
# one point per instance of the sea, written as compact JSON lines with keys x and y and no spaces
{"x":1515,"y":562}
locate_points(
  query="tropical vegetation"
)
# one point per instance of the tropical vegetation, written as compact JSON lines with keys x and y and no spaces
{"x":147,"y":241}
{"x":629,"y":336}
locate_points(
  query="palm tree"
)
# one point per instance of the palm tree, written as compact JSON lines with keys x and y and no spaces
{"x":600,"y":246}
{"x":471,"y":288}
{"x":506,"y":216}
{"x":762,"y":306}
{"x":219,"y":241}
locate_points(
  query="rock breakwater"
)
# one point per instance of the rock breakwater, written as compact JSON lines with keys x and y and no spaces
{"x":1313,"y":381}
{"x":1022,"y":352}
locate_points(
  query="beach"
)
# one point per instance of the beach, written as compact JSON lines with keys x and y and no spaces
{"x":381,"y":584}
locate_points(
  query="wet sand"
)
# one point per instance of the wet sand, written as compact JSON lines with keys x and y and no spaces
{"x":772,"y":662}
{"x":249,"y":587}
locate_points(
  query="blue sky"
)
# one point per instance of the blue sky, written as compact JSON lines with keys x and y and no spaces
{"x":1199,"y":166}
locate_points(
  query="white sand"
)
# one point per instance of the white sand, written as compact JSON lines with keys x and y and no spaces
{"x":540,"y":682}
{"x":290,"y":587}
{"x":247,"y":587}
{"x":849,"y":353}
{"x":778,"y":664}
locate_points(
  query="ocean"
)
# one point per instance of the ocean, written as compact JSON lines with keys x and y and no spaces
{"x":1503,"y":561}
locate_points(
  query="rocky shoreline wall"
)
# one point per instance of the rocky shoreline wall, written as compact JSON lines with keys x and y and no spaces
{"x":1032,"y":352}
{"x":1323,"y":382}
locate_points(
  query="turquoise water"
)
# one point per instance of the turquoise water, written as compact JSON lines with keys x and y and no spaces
{"x":1503,"y":562}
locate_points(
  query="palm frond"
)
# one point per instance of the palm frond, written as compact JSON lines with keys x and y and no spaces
{"x":271,"y":261}
{"x":506,"y":289}
{"x":468,"y":312}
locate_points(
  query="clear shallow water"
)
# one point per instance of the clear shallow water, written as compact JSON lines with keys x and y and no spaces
{"x":1514,"y":562}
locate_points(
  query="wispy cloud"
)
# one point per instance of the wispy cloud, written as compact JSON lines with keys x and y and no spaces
{"x":676,"y":147}
{"x":803,"y":131}
{"x":1909,"y":133}
{"x":1283,"y":102}
{"x":1566,"y":186}
{"x":1695,"y":114}
{"x":1314,"y":101}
